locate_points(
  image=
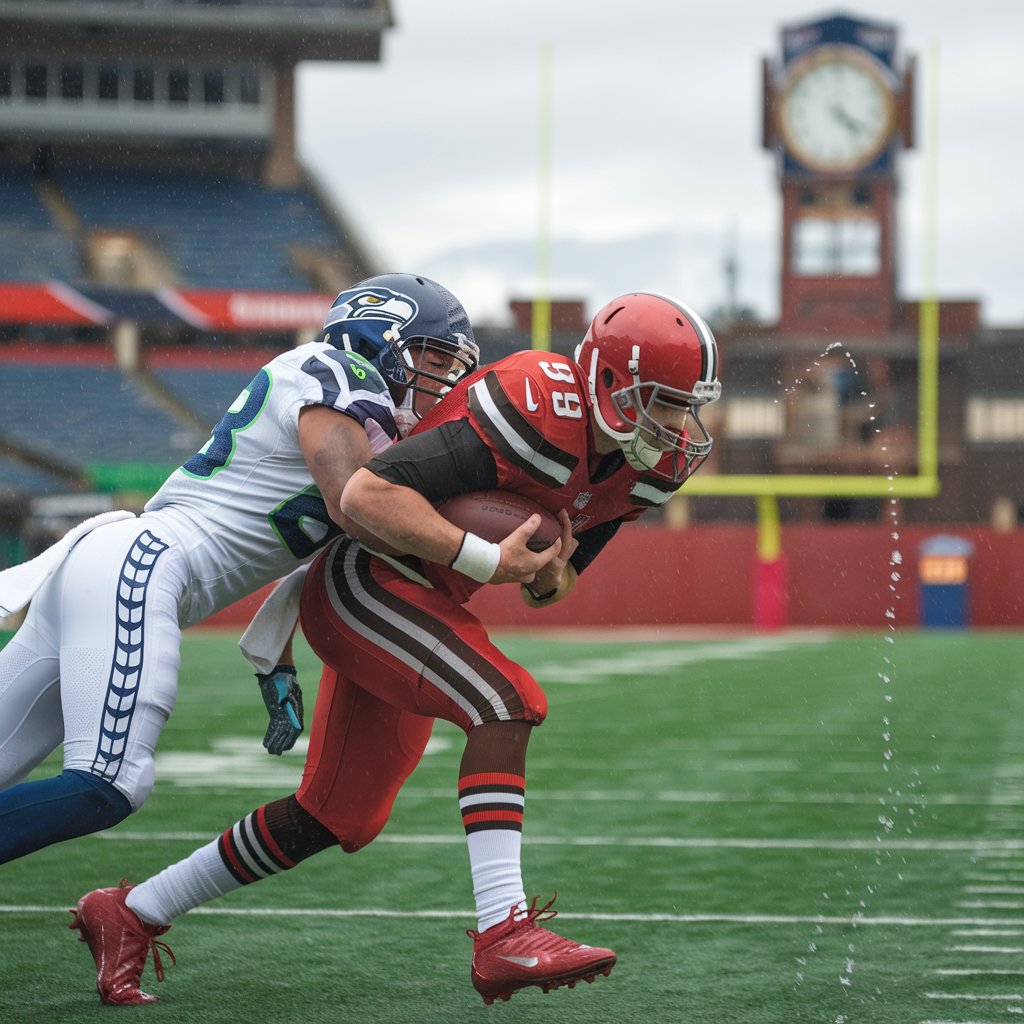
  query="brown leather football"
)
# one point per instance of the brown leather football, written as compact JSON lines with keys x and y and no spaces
{"x":493,"y":515}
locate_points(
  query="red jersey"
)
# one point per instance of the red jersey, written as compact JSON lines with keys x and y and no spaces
{"x":532,"y":410}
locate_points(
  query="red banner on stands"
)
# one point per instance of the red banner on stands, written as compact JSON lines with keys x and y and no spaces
{"x":52,"y":303}
{"x":57,"y":304}
{"x":252,"y":311}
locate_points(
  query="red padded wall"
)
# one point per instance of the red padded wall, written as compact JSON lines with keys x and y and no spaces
{"x":837,"y":576}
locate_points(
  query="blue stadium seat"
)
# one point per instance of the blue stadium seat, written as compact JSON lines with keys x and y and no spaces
{"x":20,"y":205}
{"x":220,"y":232}
{"x":17,"y":478}
{"x":81,"y":414}
{"x":208,"y":393}
{"x":32,"y":247}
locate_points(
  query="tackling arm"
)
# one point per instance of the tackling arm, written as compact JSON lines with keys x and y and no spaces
{"x":391,"y":500}
{"x":407,"y":522}
{"x":334,"y":446}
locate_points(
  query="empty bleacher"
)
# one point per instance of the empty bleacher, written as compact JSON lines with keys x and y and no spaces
{"x":81,"y":414}
{"x":32,"y":247}
{"x":220,"y":232}
{"x":18,"y":479}
{"x":208,"y":393}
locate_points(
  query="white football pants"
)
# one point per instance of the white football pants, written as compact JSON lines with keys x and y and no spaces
{"x":96,"y":661}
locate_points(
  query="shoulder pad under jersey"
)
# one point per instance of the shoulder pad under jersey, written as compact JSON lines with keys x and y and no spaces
{"x":334,"y":367}
{"x":530,"y":408}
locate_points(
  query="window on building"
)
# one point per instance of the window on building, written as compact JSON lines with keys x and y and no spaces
{"x":35,"y":81}
{"x":108,"y":82}
{"x":754,"y":417}
{"x":72,"y":81}
{"x":143,"y":85}
{"x":249,"y":85}
{"x":994,"y":420}
{"x":213,"y":86}
{"x":177,"y":85}
{"x":173,"y":86}
{"x":839,"y":245}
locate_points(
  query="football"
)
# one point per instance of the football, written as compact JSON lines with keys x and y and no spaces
{"x":493,"y":515}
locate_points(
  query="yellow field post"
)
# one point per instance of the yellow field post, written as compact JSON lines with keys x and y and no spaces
{"x":541,"y":308}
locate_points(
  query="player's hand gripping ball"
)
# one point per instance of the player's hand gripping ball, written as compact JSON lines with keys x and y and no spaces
{"x":493,"y":515}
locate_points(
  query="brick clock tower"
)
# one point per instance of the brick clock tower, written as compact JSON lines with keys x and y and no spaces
{"x":837,"y":111}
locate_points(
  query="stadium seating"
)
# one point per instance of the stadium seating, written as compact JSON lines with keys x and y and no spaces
{"x":16,"y":478}
{"x":20,"y":206}
{"x":82,"y":414}
{"x":32,"y":248}
{"x":208,"y":393}
{"x":220,"y":232}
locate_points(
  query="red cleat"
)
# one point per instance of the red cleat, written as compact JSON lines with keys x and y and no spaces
{"x":119,"y":943}
{"x":519,"y":953}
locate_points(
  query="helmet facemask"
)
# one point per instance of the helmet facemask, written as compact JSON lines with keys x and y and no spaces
{"x":433,"y":366}
{"x":672,"y":451}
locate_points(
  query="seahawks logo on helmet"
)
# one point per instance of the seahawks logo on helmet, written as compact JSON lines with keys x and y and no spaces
{"x":370,"y":321}
{"x":374,"y":304}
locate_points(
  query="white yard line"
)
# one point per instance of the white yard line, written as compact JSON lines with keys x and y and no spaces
{"x":967,"y":997}
{"x":997,"y":882}
{"x":984,"y":949}
{"x":991,"y":905}
{"x":648,"y":663}
{"x":725,"y":919}
{"x":655,"y":842}
{"x":957,"y":1022}
{"x":989,"y":933}
{"x":967,"y":972}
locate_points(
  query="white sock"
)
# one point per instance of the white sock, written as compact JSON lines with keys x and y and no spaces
{"x":191,"y":882}
{"x":497,"y":874}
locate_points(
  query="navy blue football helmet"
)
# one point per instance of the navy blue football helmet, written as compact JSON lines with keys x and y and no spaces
{"x":388,"y":318}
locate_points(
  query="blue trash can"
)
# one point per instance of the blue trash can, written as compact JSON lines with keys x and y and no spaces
{"x":944,"y":564}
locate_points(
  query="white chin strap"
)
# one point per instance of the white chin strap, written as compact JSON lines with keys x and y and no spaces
{"x":405,"y":418}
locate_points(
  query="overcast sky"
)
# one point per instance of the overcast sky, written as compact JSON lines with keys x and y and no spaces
{"x":657,"y":172}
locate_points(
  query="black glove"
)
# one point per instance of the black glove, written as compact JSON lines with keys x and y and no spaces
{"x":283,"y":697}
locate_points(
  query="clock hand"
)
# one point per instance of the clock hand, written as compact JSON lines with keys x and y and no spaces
{"x":844,"y":118}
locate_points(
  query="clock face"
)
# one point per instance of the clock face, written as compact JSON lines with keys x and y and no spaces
{"x":837,"y":111}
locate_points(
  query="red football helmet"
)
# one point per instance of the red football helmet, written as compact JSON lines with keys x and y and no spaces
{"x":646,"y":355}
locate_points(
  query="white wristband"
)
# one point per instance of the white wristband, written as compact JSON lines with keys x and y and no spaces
{"x":477,"y":558}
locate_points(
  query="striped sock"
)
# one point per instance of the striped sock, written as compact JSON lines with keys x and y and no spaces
{"x":249,"y":851}
{"x":273,"y":838}
{"x":492,"y":815}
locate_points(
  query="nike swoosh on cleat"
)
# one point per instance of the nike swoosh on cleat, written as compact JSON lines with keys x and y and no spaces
{"x":522,"y":961}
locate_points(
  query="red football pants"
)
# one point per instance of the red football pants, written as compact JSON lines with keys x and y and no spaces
{"x":398,"y":655}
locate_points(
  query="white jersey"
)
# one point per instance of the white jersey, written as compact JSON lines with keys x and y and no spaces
{"x":95,"y":664}
{"x":244,"y":509}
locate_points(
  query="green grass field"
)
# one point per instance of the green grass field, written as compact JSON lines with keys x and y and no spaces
{"x":772,"y":828}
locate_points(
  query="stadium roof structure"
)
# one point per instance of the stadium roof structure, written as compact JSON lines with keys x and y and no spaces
{"x":286,"y":30}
